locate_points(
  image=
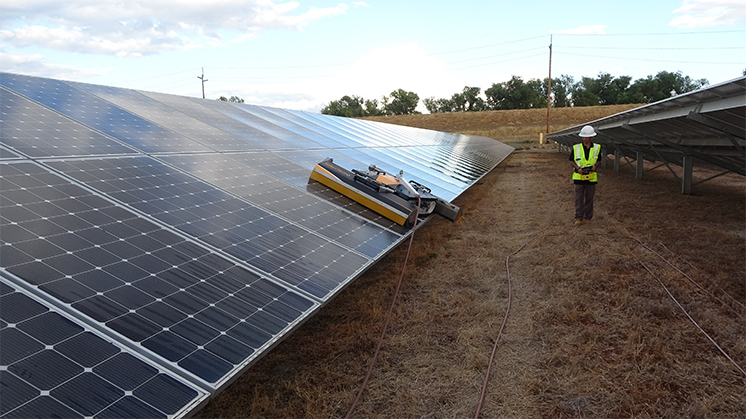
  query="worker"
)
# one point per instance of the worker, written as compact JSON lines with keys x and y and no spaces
{"x":584,"y":158}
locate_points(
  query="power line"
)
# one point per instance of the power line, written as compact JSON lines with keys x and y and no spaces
{"x":650,"y":60}
{"x":651,"y":33}
{"x":658,"y":48}
{"x":497,"y":55}
{"x":497,"y":62}
{"x":562,"y":48}
{"x":486,"y":46}
{"x":161,"y":75}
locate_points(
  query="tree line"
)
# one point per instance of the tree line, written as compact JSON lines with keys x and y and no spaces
{"x":516,"y":93}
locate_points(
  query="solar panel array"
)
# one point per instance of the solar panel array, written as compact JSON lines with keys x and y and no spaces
{"x":153,"y":246}
{"x":707,"y":125}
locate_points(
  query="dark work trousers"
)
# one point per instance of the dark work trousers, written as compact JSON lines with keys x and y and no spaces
{"x":584,"y":201}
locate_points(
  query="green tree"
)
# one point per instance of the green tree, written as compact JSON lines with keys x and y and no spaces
{"x":233,"y":99}
{"x":402,"y":103}
{"x":439,"y":105}
{"x":585,"y":93}
{"x":459,"y":102}
{"x":372,"y":109}
{"x":473,"y":102}
{"x":562,"y":88}
{"x":664,"y":85}
{"x":516,"y":94}
{"x":348,"y":106}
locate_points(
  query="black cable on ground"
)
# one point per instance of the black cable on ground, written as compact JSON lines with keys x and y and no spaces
{"x":388,"y":317}
{"x":688,"y":315}
{"x":505,"y":319}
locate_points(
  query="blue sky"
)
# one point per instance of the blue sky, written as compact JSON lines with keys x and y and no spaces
{"x":302,"y":54}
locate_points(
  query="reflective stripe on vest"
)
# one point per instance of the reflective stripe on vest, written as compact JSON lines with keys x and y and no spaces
{"x":579,"y":155}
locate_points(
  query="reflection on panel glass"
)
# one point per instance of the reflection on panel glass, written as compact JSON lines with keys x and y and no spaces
{"x":36,"y":131}
{"x":251,"y":233}
{"x":100,"y":115}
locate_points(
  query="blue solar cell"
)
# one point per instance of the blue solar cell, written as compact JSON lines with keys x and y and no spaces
{"x":15,"y":392}
{"x":45,"y":369}
{"x":169,"y":345}
{"x":135,"y":327}
{"x":165,"y":392}
{"x":16,"y":345}
{"x":229,"y":349}
{"x":15,"y":307}
{"x":87,"y":394}
{"x":125,"y":371}
{"x":206,"y":365}
{"x":129,"y":407}
{"x":43,"y":407}
{"x":87,"y":349}
{"x":50,"y":328}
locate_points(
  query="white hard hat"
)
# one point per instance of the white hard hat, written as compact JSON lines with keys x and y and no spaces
{"x":587,"y":131}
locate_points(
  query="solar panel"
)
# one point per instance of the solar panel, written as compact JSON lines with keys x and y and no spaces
{"x":182,"y":233}
{"x":52,"y":366}
{"x":135,"y":277}
{"x":99,"y":114}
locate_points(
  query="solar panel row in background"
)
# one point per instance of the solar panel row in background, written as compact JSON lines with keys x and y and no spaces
{"x":183,"y":233}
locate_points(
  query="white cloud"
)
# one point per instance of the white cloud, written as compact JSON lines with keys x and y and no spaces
{"x":386,"y":69}
{"x":584,"y":30}
{"x":78,"y":39}
{"x":379,"y":72}
{"x":34,"y":65}
{"x":708,"y":13}
{"x":137,"y":27}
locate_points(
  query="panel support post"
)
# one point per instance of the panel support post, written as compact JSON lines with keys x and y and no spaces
{"x":686,"y":178}
{"x":603,"y":156}
{"x":640,"y":165}
{"x":617,"y":157}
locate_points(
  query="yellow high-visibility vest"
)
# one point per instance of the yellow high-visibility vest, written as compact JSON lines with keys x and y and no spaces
{"x":579,"y":155}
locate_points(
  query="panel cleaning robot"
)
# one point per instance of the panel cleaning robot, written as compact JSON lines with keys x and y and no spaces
{"x":384,"y":193}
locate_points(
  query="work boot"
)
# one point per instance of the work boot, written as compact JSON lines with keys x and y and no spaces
{"x":587,"y":220}
{"x":578,"y":222}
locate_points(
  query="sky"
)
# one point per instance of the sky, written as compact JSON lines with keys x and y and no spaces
{"x":303,"y":54}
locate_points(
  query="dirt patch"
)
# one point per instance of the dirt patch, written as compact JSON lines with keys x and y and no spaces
{"x":592,"y":331}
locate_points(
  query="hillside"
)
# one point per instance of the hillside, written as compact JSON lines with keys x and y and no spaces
{"x":616,"y":318}
{"x":513,"y":126}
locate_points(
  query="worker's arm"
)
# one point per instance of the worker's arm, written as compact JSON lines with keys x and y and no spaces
{"x":575,"y":166}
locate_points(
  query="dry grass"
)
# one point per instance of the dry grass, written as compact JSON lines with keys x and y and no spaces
{"x":511,"y":126}
{"x":591,"y":333}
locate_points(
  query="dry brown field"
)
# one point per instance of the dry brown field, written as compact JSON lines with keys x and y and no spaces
{"x":639,"y":314}
{"x":520,"y":126}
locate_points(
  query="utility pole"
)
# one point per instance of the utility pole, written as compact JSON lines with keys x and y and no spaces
{"x":202,"y":77}
{"x":549,"y":84}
